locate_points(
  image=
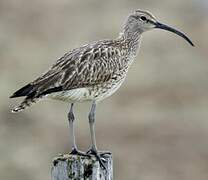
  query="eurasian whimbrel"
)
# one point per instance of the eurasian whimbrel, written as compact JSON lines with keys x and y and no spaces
{"x":92,"y":72}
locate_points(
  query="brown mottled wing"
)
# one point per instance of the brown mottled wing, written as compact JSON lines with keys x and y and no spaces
{"x":84,"y":67}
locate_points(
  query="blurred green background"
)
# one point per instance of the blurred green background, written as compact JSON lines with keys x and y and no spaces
{"x":156,"y":124}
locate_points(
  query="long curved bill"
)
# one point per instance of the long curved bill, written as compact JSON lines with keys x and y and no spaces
{"x":168,"y":28}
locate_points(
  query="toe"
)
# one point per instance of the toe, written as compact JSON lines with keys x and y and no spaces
{"x":77,"y":152}
{"x":98,"y":155}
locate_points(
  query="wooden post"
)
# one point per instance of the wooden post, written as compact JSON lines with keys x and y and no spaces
{"x":76,"y":167}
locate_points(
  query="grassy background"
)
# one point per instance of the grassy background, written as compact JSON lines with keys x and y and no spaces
{"x":155,"y":125}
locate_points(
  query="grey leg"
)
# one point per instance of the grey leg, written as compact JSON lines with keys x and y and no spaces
{"x":93,"y":150}
{"x":92,"y":126}
{"x":71,"y":119}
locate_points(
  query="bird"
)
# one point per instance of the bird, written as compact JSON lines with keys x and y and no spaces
{"x":92,"y":73}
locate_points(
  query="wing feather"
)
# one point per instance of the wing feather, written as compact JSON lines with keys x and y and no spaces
{"x":87,"y":66}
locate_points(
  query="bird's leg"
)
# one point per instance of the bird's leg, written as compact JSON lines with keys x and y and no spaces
{"x":71,"y":119}
{"x":93,"y":150}
{"x":92,"y":126}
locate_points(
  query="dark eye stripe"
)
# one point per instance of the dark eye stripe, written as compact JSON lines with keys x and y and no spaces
{"x":143,"y":18}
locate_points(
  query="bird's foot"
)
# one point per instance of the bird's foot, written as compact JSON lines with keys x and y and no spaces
{"x":99,"y":157}
{"x":75,"y":151}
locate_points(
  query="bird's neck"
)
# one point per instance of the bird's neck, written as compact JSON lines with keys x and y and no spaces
{"x":131,"y":39}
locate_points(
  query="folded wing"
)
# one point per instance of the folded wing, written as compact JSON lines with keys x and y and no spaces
{"x":83,"y":67}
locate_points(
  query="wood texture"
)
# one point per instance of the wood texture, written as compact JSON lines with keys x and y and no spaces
{"x":76,"y":167}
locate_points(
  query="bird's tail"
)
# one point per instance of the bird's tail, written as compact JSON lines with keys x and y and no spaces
{"x":27,"y":102}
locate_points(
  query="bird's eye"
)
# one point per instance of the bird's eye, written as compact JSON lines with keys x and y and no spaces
{"x":143,"y":18}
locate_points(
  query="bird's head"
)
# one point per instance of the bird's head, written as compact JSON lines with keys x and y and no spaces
{"x":141,"y":21}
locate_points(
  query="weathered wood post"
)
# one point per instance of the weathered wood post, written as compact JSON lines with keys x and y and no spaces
{"x":76,"y":167}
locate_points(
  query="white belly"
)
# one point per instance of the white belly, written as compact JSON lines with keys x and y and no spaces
{"x":75,"y":95}
{"x":85,"y":94}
